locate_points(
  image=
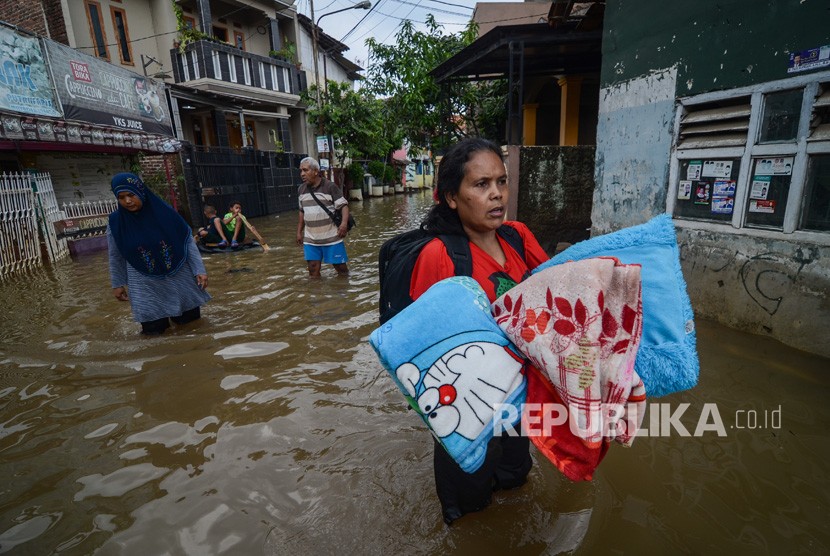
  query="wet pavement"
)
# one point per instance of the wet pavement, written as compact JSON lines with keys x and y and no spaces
{"x":270,"y":428}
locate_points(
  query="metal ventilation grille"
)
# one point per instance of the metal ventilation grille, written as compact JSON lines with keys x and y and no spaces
{"x":715,"y":124}
{"x":820,"y":118}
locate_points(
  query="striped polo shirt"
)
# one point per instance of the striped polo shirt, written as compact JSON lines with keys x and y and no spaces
{"x":319,"y":229}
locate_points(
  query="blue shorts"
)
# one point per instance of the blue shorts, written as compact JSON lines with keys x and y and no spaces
{"x":329,"y":254}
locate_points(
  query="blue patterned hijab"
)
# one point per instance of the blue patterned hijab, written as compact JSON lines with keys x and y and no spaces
{"x":154,"y":239}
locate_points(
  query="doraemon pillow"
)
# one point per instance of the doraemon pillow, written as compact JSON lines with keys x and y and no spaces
{"x":455,"y":367}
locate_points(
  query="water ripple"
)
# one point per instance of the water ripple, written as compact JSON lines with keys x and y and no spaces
{"x":251,"y":349}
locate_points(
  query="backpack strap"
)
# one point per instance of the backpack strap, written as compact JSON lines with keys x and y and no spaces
{"x":513,"y":239}
{"x":458,"y":248}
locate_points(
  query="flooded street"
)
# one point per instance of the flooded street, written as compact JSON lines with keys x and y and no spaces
{"x":270,"y":428}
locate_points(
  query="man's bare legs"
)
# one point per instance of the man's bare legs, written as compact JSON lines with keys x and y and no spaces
{"x":314,"y":269}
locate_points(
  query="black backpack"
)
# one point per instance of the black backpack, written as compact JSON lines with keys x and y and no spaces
{"x":398,"y":255}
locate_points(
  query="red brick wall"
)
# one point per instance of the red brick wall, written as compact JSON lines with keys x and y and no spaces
{"x":153,"y":171}
{"x":34,"y":16}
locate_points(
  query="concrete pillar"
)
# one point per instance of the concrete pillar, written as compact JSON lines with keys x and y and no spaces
{"x":205,"y":17}
{"x":569,"y":116}
{"x":274,"y":34}
{"x":242,"y":129}
{"x":220,"y":127}
{"x":529,"y":124}
{"x":512,"y":160}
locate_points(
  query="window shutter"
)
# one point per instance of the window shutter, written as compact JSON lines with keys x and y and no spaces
{"x":715,"y":124}
{"x":820,"y":118}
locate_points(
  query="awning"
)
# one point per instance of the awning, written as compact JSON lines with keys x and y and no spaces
{"x":519,"y":52}
{"x":43,"y":133}
{"x":263,"y":114}
{"x":544,"y":51}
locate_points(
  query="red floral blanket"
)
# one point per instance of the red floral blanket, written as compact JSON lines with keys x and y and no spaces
{"x":580,"y":325}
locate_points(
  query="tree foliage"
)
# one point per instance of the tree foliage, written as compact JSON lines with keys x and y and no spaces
{"x":424,"y":115}
{"x":354,"y":119}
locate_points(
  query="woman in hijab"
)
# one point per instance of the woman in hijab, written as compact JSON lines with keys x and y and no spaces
{"x":152,"y":253}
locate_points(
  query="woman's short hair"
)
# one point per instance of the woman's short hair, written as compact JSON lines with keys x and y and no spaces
{"x":312,"y":163}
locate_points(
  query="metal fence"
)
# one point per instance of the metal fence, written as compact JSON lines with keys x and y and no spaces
{"x":28,"y":211}
{"x":263,"y":182}
{"x":89,"y":208}
{"x":19,"y":241}
{"x":48,"y":213}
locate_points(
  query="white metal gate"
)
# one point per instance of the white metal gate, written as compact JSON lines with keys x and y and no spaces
{"x":28,"y":210}
{"x":19,"y":241}
{"x":48,"y":213}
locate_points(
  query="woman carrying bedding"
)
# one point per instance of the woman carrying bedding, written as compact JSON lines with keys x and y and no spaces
{"x":471,"y":199}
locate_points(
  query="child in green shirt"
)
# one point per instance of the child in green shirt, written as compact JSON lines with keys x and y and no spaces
{"x":236,"y":223}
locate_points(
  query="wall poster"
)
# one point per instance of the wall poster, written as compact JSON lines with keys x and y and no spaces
{"x":694,"y":169}
{"x":758,"y":205}
{"x":702,"y":193}
{"x":717,"y":168}
{"x":811,"y":58}
{"x":776,"y":166}
{"x":769,"y":188}
{"x":706,"y":189}
{"x":723,"y":197}
{"x":25,"y":85}
{"x":760,"y":187}
{"x":684,"y":190}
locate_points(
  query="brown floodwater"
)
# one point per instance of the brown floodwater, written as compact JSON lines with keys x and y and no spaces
{"x":270,"y":428}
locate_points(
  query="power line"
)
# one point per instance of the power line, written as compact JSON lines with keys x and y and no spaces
{"x":452,"y":4}
{"x":129,"y":41}
{"x":438,"y":10}
{"x":465,"y":24}
{"x":372,"y":29}
{"x":407,"y":15}
{"x":362,"y":19}
{"x":328,"y":5}
{"x":158,"y":34}
{"x":543,"y":14}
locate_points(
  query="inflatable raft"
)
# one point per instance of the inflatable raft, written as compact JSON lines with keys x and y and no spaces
{"x":214,"y":248}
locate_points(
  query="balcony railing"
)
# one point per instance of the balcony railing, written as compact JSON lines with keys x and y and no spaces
{"x":220,"y":61}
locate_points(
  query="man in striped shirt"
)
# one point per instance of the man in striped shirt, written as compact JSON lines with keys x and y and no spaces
{"x":321,"y":240}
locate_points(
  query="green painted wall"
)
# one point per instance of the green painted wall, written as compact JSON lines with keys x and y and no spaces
{"x":716,"y":44}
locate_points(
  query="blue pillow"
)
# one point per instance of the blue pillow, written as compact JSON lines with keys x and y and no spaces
{"x":667,"y":360}
{"x":455,"y":367}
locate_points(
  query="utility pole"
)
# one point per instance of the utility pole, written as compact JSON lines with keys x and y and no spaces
{"x":364,"y":5}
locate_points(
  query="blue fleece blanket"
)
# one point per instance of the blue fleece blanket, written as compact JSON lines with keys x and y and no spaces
{"x":455,"y":367}
{"x":667,"y":360}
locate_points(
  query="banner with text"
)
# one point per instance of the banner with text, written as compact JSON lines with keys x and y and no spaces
{"x":96,"y":91}
{"x":24,"y":80}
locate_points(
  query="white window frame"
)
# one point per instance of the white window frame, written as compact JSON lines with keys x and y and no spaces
{"x":799,"y":149}
{"x":217,"y":67}
{"x":195,"y":60}
{"x":276,"y":84}
{"x":185,"y":66}
{"x":246,"y":70}
{"x":286,"y":80}
{"x":232,"y":68}
{"x":262,"y":83}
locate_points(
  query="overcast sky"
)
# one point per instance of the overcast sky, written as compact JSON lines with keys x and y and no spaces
{"x":383,"y":20}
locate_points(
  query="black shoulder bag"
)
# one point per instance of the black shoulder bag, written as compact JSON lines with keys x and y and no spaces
{"x":336,"y":216}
